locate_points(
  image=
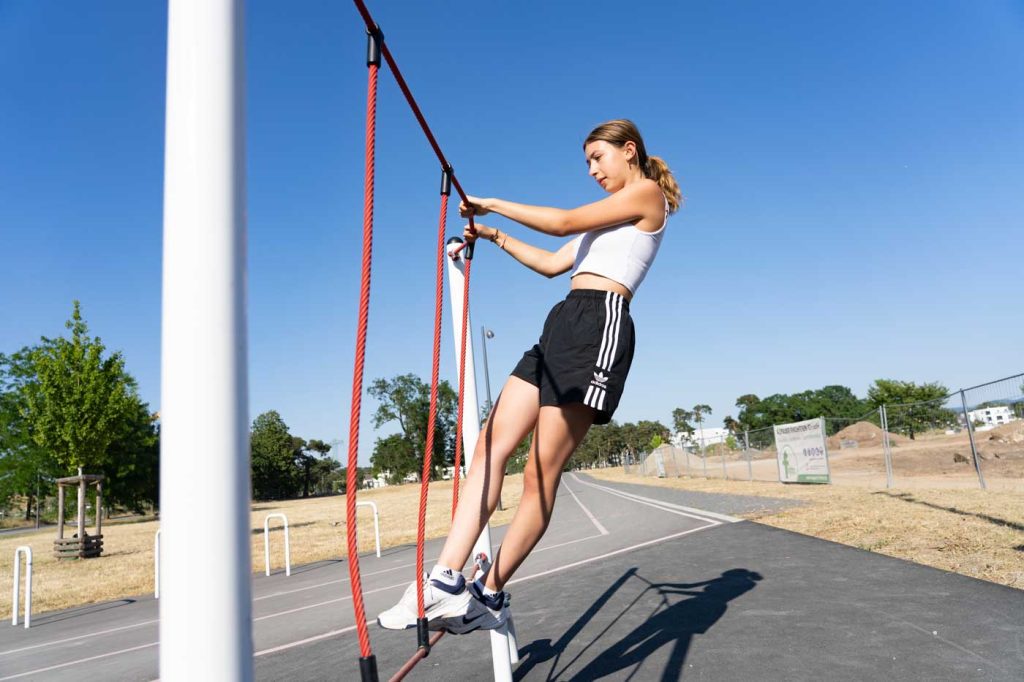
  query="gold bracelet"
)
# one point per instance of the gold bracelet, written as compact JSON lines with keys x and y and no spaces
{"x":503,"y":242}
{"x":494,"y":239}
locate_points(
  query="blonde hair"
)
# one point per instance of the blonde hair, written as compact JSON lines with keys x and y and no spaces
{"x":619,"y":132}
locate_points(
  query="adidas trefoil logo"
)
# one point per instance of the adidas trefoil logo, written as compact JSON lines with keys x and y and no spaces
{"x":600,"y":380}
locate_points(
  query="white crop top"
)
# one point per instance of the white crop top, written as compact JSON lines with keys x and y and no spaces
{"x":622,"y":253}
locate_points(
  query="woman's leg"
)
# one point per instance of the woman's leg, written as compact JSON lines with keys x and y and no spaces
{"x":559,"y":430}
{"x":514,"y":415}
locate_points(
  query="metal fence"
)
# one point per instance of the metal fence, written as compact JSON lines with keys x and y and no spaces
{"x":973,"y":437}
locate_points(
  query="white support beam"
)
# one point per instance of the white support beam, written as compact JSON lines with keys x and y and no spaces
{"x":205,"y":607}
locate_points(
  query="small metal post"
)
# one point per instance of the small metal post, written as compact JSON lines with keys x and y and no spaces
{"x":266,"y":543}
{"x":746,"y":450}
{"x":485,"y":334}
{"x":725,"y":474}
{"x":376,"y":521}
{"x":886,"y":447}
{"x":970,"y":434}
{"x":27,"y":551}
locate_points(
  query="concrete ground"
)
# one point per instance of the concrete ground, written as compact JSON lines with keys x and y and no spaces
{"x":630,"y":582}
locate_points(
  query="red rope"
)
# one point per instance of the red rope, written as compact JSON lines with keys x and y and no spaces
{"x":372,"y":25}
{"x":357,"y":375}
{"x":434,"y":381}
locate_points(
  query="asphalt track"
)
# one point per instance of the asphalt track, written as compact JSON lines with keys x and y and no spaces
{"x":630,"y":582}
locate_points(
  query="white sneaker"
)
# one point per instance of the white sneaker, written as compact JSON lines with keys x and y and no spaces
{"x":439,"y":600}
{"x":481,"y":613}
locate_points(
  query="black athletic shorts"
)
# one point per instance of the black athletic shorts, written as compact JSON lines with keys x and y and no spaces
{"x":584,"y":352}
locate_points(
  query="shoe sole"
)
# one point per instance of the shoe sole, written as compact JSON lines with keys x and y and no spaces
{"x":431,"y":615}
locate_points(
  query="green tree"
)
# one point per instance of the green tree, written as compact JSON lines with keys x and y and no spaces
{"x":395,"y":457}
{"x":315,"y":469}
{"x":274,"y":474}
{"x":781,"y":408}
{"x":405,"y":400}
{"x":699,"y":411}
{"x":79,"y":401}
{"x":912,"y":407}
{"x":681,"y":422}
{"x":132,"y":471}
{"x":25,"y":467}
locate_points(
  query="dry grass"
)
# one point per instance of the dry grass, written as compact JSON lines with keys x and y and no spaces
{"x":972,"y":532}
{"x":316,"y":530}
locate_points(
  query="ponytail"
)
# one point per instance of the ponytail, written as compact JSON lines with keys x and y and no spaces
{"x":656,"y":169}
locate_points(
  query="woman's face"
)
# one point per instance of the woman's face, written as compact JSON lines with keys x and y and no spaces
{"x":610,"y":165}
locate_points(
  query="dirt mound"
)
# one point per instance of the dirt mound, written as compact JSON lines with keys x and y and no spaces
{"x":865,"y":433}
{"x":1007,"y":433}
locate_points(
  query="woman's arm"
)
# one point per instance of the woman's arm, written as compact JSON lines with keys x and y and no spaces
{"x":634,"y":202}
{"x":547,"y":263}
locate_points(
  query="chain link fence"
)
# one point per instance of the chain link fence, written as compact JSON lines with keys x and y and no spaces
{"x":973,"y":437}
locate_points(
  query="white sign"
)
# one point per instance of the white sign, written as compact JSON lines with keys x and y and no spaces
{"x":803,"y":457}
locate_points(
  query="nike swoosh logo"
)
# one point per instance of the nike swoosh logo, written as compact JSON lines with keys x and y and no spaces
{"x":467,"y":621}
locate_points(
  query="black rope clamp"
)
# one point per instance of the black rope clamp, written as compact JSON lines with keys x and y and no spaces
{"x":423,"y":636}
{"x":374,"y":39}
{"x":446,"y":180}
{"x":368,"y":668}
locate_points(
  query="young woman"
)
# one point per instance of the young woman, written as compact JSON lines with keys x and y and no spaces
{"x":572,"y":378}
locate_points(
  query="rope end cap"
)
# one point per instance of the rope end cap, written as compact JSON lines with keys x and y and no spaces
{"x":423,"y":636}
{"x":368,"y":668}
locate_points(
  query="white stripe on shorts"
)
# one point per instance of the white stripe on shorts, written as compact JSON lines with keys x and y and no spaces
{"x":615,"y":337}
{"x":590,"y":391}
{"x":604,"y":332}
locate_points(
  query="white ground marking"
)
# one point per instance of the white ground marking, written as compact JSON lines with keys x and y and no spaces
{"x":601,"y":529}
{"x":559,"y":569}
{"x":700,"y":514}
{"x":308,"y":640}
{"x":74,"y":639}
{"x":79,"y":661}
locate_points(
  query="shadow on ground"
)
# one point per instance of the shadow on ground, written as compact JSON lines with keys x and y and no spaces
{"x":674,"y":623}
{"x":907,"y":497}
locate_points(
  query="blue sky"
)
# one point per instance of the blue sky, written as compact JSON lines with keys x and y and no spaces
{"x":852,"y":171}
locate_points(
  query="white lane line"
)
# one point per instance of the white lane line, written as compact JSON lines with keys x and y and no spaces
{"x":78,"y":662}
{"x":385,"y":570}
{"x":308,"y":640}
{"x":75,"y":639}
{"x":668,"y":506}
{"x":601,"y":529}
{"x":559,"y":569}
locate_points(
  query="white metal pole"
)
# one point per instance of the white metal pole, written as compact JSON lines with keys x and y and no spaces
{"x":470,"y":433}
{"x":376,"y":522}
{"x":205,"y":619}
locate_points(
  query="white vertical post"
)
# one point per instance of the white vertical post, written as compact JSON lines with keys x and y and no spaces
{"x":500,"y":647}
{"x":287,"y":543}
{"x":156,"y":565}
{"x":204,"y":462}
{"x":27,"y":551}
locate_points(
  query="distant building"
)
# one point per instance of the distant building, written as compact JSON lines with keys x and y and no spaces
{"x":991,"y":416}
{"x":711,"y":436}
